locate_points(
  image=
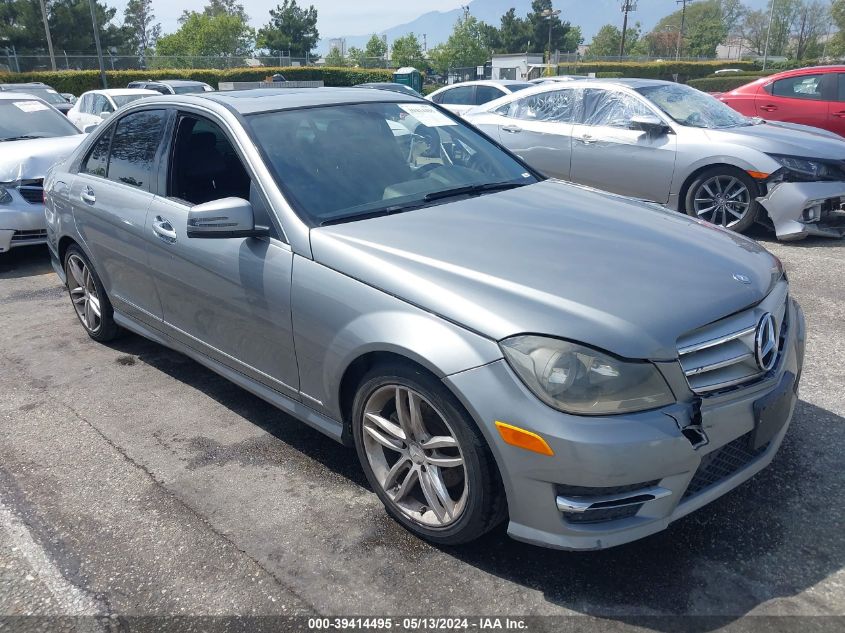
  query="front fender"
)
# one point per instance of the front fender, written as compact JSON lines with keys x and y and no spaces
{"x":337,"y":319}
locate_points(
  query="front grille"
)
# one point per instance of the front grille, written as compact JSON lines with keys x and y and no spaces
{"x":29,"y":236}
{"x":722,"y":463}
{"x":601,"y":515}
{"x":722,"y":354}
{"x":32,"y":191}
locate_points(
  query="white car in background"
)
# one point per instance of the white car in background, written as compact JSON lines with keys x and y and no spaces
{"x":461,"y":97}
{"x":33,"y":136}
{"x":95,"y":106}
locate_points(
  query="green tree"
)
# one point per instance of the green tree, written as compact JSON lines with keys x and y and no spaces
{"x":836,"y":46}
{"x":334,"y":58}
{"x":514,"y":33}
{"x":706,"y":25}
{"x":21,"y":25}
{"x":564,"y":36}
{"x":465,"y":47}
{"x":219,"y":7}
{"x":810,"y":23}
{"x":754,"y":27}
{"x":201,"y":34}
{"x":407,"y":51}
{"x":291,"y":28}
{"x":355,"y":55}
{"x":140,"y":27}
{"x":608,"y":40}
{"x":376,"y":47}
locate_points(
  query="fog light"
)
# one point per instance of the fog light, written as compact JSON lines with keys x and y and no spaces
{"x":812,"y":213}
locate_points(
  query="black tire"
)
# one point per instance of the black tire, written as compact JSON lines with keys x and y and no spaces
{"x":724,"y":218}
{"x":106,"y":330}
{"x":485,"y":505}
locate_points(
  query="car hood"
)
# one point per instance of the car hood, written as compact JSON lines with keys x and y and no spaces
{"x":557,"y":259}
{"x":777,"y":137}
{"x":30,"y":159}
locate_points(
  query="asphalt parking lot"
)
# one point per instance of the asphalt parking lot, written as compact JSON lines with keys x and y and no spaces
{"x":134,"y":481}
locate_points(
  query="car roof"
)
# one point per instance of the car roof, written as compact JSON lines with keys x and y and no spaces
{"x":171,"y":82}
{"x":118,"y":92}
{"x":270,"y":99}
{"x":7,"y":95}
{"x":30,"y":84}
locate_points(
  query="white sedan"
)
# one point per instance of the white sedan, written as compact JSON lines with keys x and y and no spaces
{"x":460,"y":97}
{"x":95,"y":106}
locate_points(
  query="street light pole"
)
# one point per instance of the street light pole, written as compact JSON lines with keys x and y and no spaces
{"x":47,"y":32}
{"x":550,"y":14}
{"x":683,"y":4}
{"x":97,"y":44}
{"x":627,"y":7}
{"x":768,"y":33}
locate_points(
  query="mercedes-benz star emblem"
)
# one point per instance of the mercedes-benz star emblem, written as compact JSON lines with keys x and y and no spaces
{"x":766,"y":342}
{"x":743,"y":279}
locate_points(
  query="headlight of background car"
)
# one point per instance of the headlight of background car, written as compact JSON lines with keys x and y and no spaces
{"x":5,"y":196}
{"x":577,"y":379}
{"x":807,"y":169}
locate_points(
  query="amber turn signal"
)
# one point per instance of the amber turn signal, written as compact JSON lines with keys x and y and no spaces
{"x":516,"y":436}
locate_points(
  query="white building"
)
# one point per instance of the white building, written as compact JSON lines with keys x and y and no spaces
{"x":515,"y":65}
{"x":339,"y":44}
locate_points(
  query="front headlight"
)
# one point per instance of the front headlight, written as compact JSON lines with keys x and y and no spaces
{"x":5,"y":196}
{"x":580,"y":380}
{"x":807,"y":169}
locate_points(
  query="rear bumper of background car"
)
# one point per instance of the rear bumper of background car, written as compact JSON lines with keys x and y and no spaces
{"x":642,"y":459}
{"x":800,"y":209}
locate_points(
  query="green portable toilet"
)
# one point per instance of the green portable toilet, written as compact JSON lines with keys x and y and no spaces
{"x":409,"y":77}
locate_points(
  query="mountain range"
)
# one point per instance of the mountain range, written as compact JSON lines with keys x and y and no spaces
{"x":590,"y":15}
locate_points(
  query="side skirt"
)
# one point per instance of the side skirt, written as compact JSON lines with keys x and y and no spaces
{"x":325,"y":425}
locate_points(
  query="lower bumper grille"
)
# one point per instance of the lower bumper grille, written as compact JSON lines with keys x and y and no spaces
{"x":597,"y":505}
{"x":29,"y":236}
{"x":722,"y":463}
{"x":32,"y":191}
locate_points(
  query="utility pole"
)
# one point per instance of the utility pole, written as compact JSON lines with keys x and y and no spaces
{"x":768,"y":33}
{"x":425,"y":44}
{"x":627,"y":7}
{"x":47,"y":32}
{"x":465,"y":8}
{"x":683,"y":4}
{"x":97,"y":44}
{"x":550,"y":15}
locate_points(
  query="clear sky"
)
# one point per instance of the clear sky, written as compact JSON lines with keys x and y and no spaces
{"x":336,"y":17}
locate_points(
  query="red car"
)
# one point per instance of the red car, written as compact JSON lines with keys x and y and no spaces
{"x":810,"y":96}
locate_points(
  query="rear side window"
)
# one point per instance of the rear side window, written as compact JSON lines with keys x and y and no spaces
{"x":483,"y":94}
{"x":134,"y":146}
{"x":800,"y":87}
{"x":97,"y":160}
{"x":610,"y":108}
{"x":457,"y":96}
{"x":840,"y":90}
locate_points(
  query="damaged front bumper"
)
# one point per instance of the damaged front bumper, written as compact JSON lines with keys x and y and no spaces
{"x":801,"y":209}
{"x":22,"y":220}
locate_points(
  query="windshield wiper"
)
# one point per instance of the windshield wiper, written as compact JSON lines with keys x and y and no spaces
{"x":22,"y":137}
{"x":473,"y":190}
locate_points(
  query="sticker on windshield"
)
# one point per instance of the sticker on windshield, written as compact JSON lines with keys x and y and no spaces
{"x":427,"y":115}
{"x":30,"y":106}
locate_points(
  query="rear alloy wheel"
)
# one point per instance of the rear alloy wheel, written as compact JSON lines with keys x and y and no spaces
{"x":724,"y":196}
{"x":88,"y":297}
{"x":424,"y":456}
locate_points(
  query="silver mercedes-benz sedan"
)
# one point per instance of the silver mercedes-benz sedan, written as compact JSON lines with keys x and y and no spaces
{"x":33,"y":135}
{"x":494,"y":345}
{"x":677,"y":146}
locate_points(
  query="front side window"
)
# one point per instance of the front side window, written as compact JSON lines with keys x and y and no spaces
{"x":462,"y":95}
{"x":558,"y":105}
{"x":101,"y":104}
{"x":610,"y":108}
{"x":484,"y":94}
{"x":97,"y":161}
{"x":800,"y":87}
{"x":338,"y":163}
{"x":134,"y":146}
{"x":30,"y":118}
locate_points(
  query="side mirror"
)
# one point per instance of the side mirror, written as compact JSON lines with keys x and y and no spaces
{"x":224,"y":218}
{"x":105,"y":115}
{"x":649,"y":123}
{"x":89,"y":128}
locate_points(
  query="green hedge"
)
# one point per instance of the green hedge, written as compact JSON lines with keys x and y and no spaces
{"x":720,"y":84}
{"x":656,"y":70}
{"x":616,"y":75}
{"x":78,"y":81}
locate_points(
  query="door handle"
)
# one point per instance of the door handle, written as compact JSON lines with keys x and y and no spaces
{"x":587,"y":139}
{"x":163,"y":229}
{"x":513,"y":129}
{"x":88,"y":196}
{"x":769,"y":108}
{"x":840,"y":114}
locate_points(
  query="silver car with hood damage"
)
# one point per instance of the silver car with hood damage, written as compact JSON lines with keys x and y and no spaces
{"x":494,"y":345}
{"x":33,"y":135}
{"x":677,"y":146}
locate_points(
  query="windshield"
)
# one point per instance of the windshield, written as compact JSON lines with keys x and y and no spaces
{"x":692,"y":107}
{"x":29,"y":118}
{"x":184,"y":90}
{"x":349,"y":161}
{"x":518,"y":87}
{"x":122,"y":100}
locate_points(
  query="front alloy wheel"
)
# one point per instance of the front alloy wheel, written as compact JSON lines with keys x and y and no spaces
{"x":724,"y":196}
{"x":414,"y":455}
{"x":424,"y":456}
